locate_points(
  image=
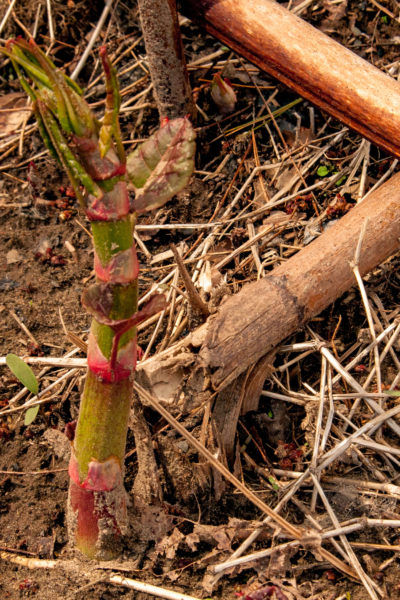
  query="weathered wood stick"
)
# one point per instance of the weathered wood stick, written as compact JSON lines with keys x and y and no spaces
{"x":166,"y":60}
{"x":254,"y":321}
{"x":306,"y":60}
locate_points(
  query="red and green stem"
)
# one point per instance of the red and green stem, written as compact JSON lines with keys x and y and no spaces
{"x":97,"y":496}
{"x":93,"y":156}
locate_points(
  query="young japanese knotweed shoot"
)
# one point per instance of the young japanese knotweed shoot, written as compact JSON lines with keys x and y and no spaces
{"x":92,"y":154}
{"x":223,"y":94}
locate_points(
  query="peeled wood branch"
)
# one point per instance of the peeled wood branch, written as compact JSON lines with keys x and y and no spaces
{"x":254,"y":321}
{"x":306,"y":60}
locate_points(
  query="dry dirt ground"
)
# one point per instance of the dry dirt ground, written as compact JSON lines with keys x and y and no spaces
{"x":46,"y":260}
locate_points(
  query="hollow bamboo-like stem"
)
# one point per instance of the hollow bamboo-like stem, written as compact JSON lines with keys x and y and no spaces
{"x":308,"y":61}
{"x":97,"y":517}
{"x":94,"y":158}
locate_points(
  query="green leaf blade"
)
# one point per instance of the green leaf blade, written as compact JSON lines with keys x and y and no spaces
{"x":22,"y":372}
{"x":31,"y":415}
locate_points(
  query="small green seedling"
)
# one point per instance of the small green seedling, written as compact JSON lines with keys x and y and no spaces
{"x":323,"y":171}
{"x":22,"y":372}
{"x":27,"y":377}
{"x":31,"y":415}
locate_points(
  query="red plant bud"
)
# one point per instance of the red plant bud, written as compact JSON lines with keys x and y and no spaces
{"x":70,"y":430}
{"x":223,"y":95}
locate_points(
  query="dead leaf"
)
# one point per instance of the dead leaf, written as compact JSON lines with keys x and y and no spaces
{"x":209,"y":278}
{"x":13,"y":256}
{"x":223,"y":539}
{"x":44,"y":546}
{"x":235,"y":531}
{"x":261,"y":195}
{"x":286,"y":178}
{"x":192,"y":539}
{"x":269,"y":591}
{"x":220,"y":250}
{"x":232,"y":73}
{"x":15,"y":105}
{"x":304,"y":135}
{"x":335,"y":13}
{"x":152,"y":522}
{"x":174,"y":575}
{"x":279,"y":562}
{"x":170,"y":543}
{"x":163,"y":378}
{"x":275,"y":217}
{"x":59,"y":443}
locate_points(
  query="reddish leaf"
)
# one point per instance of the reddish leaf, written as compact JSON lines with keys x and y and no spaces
{"x":162,"y":166}
{"x":266,"y":592}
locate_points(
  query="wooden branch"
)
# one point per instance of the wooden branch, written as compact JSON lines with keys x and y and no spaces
{"x":306,"y":60}
{"x":254,"y":321}
{"x":166,"y":59}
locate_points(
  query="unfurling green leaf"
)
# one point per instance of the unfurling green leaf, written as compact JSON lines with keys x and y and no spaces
{"x":162,"y":166}
{"x":31,"y":415}
{"x":22,"y":372}
{"x":110,"y":126}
